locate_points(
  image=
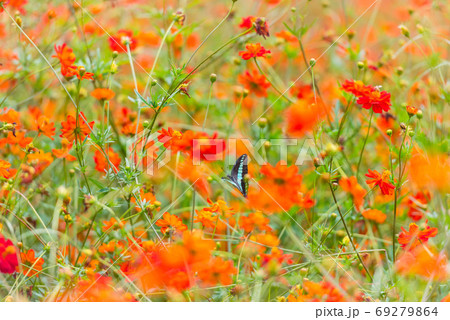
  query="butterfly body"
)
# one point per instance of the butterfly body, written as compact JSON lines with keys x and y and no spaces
{"x":237,"y":176}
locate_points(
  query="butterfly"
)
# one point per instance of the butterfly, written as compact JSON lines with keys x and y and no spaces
{"x":236,"y":178}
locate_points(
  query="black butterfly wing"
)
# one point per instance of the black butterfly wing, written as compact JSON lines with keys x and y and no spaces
{"x":238,"y":173}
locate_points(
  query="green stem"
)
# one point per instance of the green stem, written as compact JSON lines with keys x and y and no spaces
{"x":364,"y":145}
{"x":271,"y":82}
{"x":348,"y":232}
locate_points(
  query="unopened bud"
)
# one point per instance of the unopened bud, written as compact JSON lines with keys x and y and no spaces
{"x":389,"y":132}
{"x":213,"y":77}
{"x":361,"y":65}
{"x":404,"y":30}
{"x":399,"y":71}
{"x":312,"y":62}
{"x":262,"y":122}
{"x":419,"y":114}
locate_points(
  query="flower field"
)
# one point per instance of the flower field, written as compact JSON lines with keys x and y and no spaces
{"x":230,"y":150}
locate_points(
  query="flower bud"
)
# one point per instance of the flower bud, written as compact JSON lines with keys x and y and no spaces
{"x":419,"y":114}
{"x":420,"y":28}
{"x":389,"y":132}
{"x":312,"y":62}
{"x":213,"y":77}
{"x":361,"y":65}
{"x":399,"y":71}
{"x":262,"y":122}
{"x":404,"y":30}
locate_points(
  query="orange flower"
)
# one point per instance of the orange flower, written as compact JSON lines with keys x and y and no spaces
{"x":352,"y":186}
{"x":8,"y":256}
{"x":102,"y":164}
{"x":97,"y":288}
{"x":206,"y":218}
{"x":145,"y":197}
{"x":412,"y":111}
{"x":65,"y":55}
{"x":381,"y":180}
{"x":415,"y":237}
{"x":314,"y":292}
{"x":254,"y":221}
{"x":31,"y":265}
{"x":217,"y":271}
{"x":430,"y":170}
{"x":70,"y":130}
{"x":112,"y":224}
{"x":44,"y":126}
{"x":171,"y":223}
{"x":253,"y":50}
{"x":168,"y":137}
{"x":357,"y":88}
{"x":4,"y":168}
{"x":103,"y":94}
{"x":63,"y":153}
{"x":302,"y":117}
{"x":197,"y":175}
{"x":254,"y":82}
{"x":375,"y":215}
{"x":423,"y":261}
{"x":121,"y":40}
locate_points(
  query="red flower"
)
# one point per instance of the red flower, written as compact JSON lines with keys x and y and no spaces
{"x":415,"y":237}
{"x":247,"y":22}
{"x":379,"y":101}
{"x":120,"y":41}
{"x":254,"y":82}
{"x":8,"y":256}
{"x":253,"y":50}
{"x":381,"y":180}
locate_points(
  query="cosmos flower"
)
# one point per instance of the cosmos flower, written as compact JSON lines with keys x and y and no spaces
{"x":253,"y":50}
{"x":376,"y":100}
{"x":71,"y":131}
{"x":121,"y":40}
{"x":254,"y":82}
{"x":8,"y":255}
{"x":171,"y":223}
{"x":31,"y":265}
{"x":381,"y":180}
{"x":374,"y":215}
{"x":415,"y":237}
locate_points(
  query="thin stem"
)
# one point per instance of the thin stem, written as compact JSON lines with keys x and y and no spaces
{"x":364,"y":145}
{"x":271,"y":82}
{"x":397,"y":190}
{"x":158,"y":53}
{"x":207,"y":108}
{"x":348,"y":232}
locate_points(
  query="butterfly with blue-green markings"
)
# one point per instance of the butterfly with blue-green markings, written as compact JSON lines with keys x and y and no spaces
{"x":237,"y":176}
